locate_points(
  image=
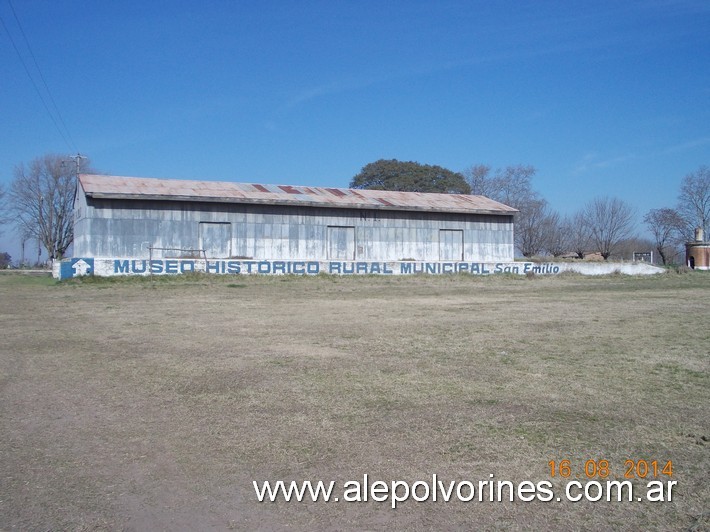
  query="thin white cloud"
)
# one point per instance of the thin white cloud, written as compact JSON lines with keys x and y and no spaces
{"x":691,"y":144}
{"x":592,"y":161}
{"x":569,"y":33}
{"x":334,"y":87}
{"x":315,"y":92}
{"x":514,"y":53}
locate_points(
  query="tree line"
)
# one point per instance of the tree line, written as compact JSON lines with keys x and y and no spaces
{"x":601,"y":226}
{"x":39,"y":203}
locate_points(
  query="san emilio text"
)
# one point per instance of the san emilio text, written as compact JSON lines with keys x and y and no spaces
{"x":176,"y":266}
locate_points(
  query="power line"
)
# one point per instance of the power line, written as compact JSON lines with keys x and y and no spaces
{"x":69,"y":144}
{"x":41,"y":76}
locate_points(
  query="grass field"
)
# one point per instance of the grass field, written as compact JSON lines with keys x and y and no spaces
{"x":153,"y":404}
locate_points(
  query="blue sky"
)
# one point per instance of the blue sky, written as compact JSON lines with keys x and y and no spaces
{"x":603,"y":98}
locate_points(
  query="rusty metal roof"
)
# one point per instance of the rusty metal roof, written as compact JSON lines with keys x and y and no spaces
{"x":140,"y":188}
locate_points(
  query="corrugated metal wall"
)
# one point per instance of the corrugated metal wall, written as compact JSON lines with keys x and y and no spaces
{"x":127,"y":228}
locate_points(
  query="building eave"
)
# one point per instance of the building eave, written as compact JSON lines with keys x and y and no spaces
{"x":172,"y":190}
{"x":313,"y":204}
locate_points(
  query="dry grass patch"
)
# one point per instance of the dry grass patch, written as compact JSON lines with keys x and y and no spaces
{"x":154,"y":403}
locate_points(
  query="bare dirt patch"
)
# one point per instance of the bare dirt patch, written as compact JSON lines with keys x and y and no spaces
{"x":144,"y":405}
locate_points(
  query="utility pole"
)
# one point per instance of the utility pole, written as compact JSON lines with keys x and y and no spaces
{"x":77,"y":160}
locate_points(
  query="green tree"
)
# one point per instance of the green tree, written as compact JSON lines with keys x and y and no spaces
{"x":409,"y":177}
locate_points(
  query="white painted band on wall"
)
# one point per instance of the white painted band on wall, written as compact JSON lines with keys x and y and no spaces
{"x":108,"y":267}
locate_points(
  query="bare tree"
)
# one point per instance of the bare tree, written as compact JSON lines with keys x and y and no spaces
{"x":479,"y":179}
{"x":533,"y":226}
{"x":694,"y":201}
{"x":42,"y":198}
{"x":667,"y":227}
{"x":3,"y":208}
{"x":557,"y":240}
{"x":512,"y":186}
{"x":609,"y":221}
{"x":578,"y":234}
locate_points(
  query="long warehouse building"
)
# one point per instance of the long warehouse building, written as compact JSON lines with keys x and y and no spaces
{"x":162,"y":218}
